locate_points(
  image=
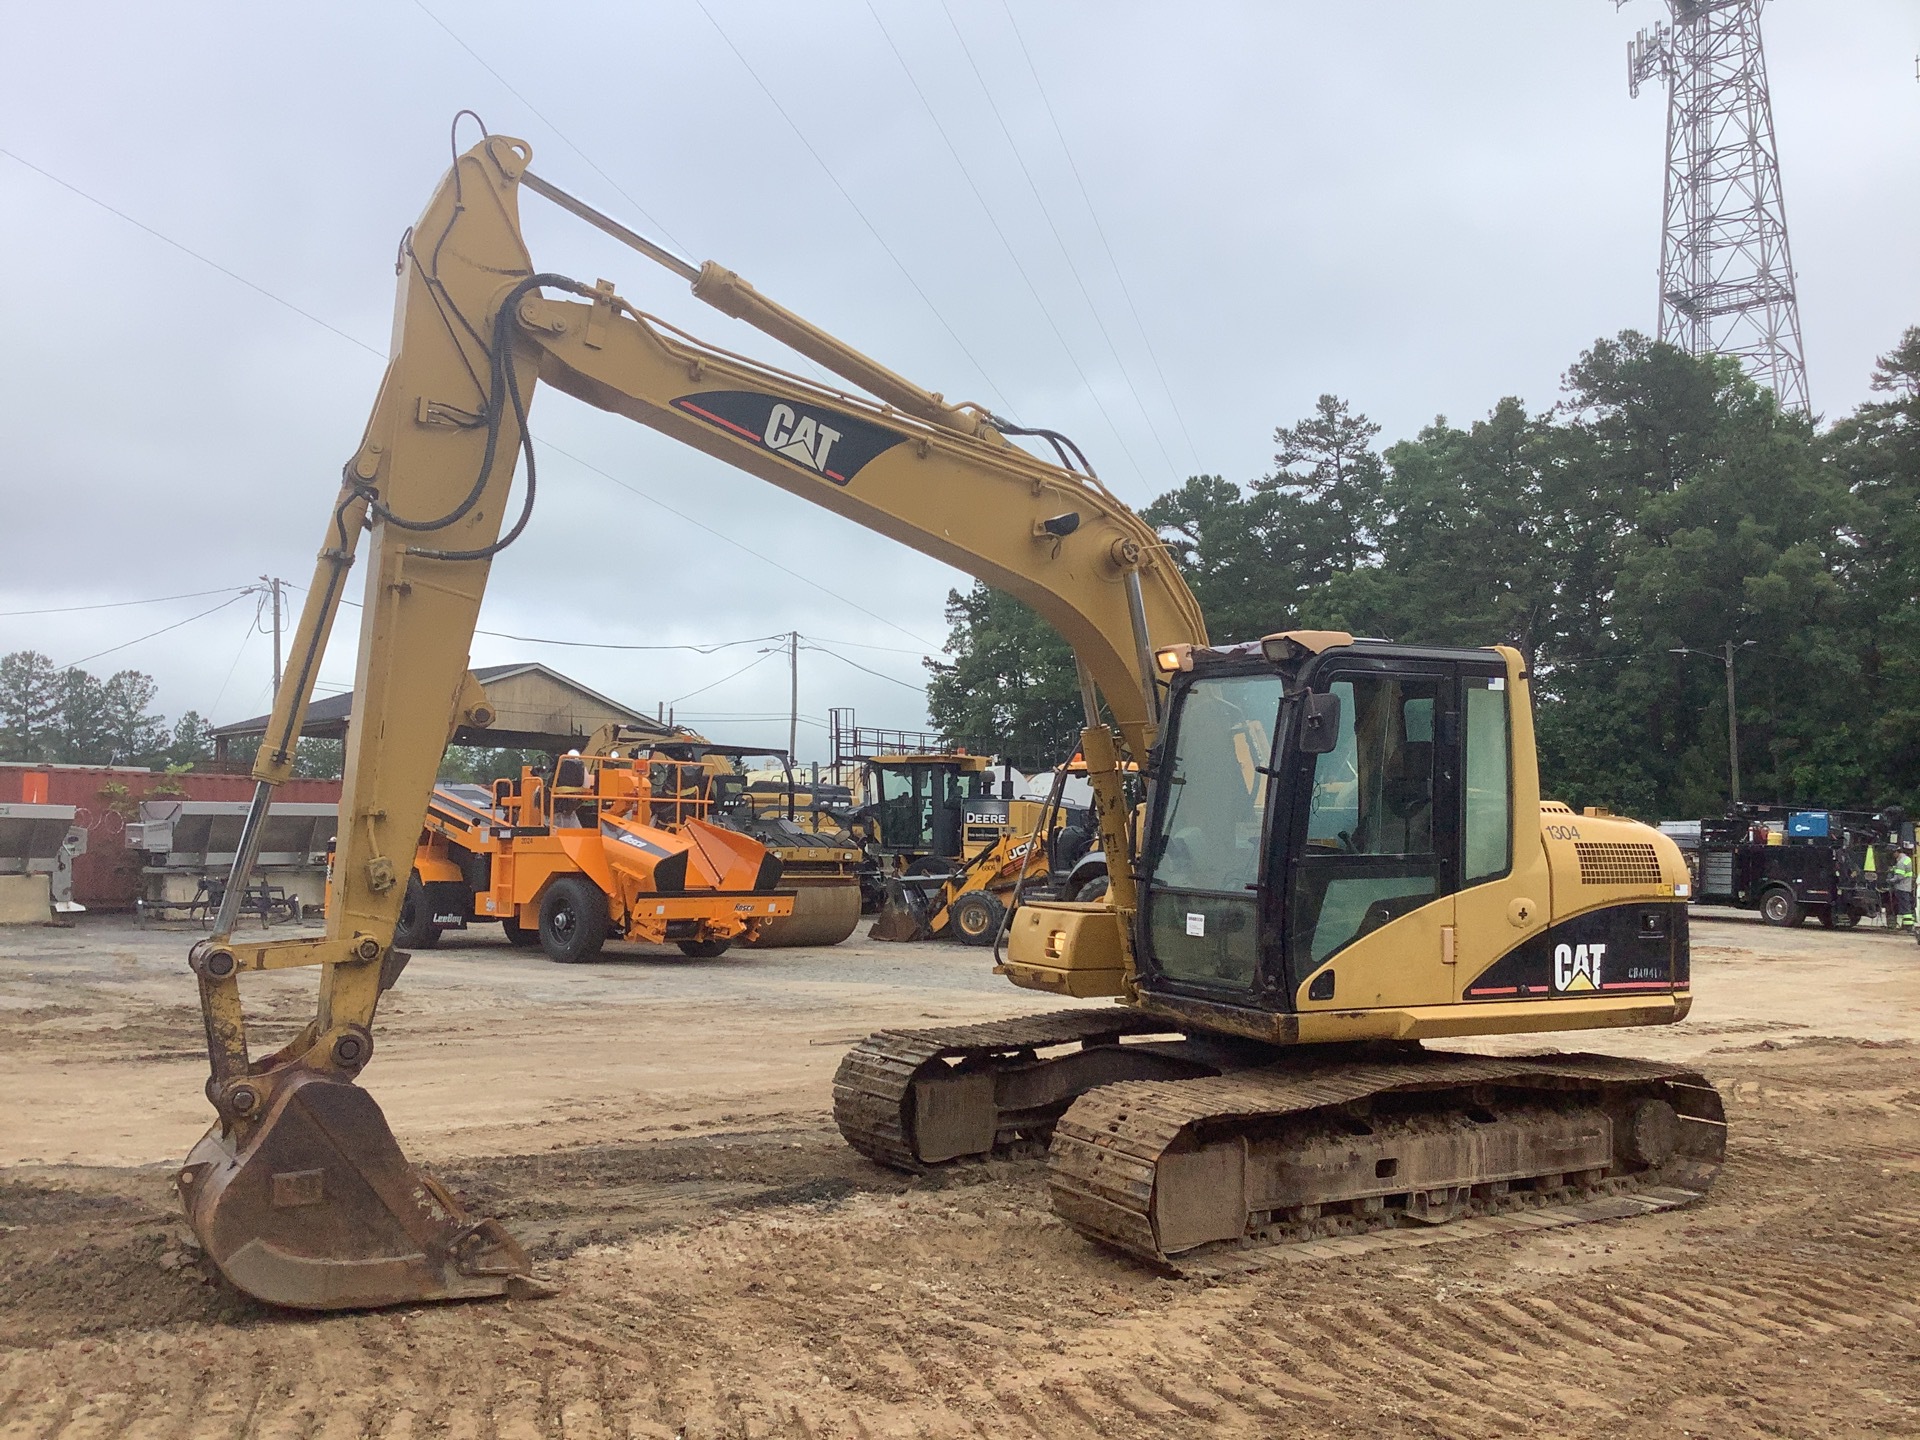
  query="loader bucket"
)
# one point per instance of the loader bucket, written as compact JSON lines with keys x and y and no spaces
{"x":903,"y":915}
{"x":314,"y":1207}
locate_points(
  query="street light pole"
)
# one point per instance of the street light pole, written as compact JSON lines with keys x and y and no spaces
{"x":1725,"y":657}
{"x":1733,"y":729}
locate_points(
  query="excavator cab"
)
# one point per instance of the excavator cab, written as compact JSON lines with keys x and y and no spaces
{"x":1302,"y":808}
{"x":1351,"y":840}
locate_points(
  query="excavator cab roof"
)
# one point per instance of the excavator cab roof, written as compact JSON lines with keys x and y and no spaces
{"x":1295,"y":650}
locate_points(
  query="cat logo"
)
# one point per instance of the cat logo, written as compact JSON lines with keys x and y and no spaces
{"x":822,"y":442}
{"x":1577,"y":967}
{"x":800,"y":437}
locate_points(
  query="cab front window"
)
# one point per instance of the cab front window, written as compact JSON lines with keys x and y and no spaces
{"x":1202,"y":900}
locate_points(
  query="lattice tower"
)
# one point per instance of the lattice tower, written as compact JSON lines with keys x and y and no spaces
{"x":1726,"y":272}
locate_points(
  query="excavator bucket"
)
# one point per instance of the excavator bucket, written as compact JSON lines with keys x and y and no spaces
{"x":903,"y":914}
{"x":314,"y":1207}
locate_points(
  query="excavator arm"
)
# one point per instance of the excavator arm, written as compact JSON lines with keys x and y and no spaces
{"x":299,"y":1192}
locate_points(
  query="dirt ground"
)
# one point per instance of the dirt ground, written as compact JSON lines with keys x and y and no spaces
{"x":657,"y":1130}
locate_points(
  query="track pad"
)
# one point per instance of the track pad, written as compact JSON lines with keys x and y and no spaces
{"x":315,"y":1207}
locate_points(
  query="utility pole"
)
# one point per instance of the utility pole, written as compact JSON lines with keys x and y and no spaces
{"x":793,"y":695}
{"x":1733,"y":728}
{"x":1733,"y":710}
{"x":273,"y":589}
{"x":276,"y":641}
{"x":1726,"y":272}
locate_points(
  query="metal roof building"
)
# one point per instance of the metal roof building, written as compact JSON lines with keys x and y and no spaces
{"x":534,"y":708}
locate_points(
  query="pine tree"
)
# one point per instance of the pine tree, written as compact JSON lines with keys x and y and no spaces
{"x":29,"y":706}
{"x":1011,"y":683}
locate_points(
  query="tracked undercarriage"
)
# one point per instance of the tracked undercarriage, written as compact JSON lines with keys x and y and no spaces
{"x":1181,"y":1150}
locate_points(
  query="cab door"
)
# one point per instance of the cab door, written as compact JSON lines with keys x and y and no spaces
{"x":1374,"y":852}
{"x":1505,"y":880}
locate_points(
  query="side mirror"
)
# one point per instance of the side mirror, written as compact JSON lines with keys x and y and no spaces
{"x":1319,"y":724}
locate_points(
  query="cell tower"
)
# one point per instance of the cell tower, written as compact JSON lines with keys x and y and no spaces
{"x":1726,"y":274}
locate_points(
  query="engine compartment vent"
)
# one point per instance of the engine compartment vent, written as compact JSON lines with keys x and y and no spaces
{"x":1617,"y":862}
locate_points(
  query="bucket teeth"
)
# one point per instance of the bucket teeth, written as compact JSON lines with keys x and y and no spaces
{"x":315,"y":1207}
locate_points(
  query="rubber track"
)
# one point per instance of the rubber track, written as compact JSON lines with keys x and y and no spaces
{"x":872,"y":1087}
{"x":1108,"y":1146}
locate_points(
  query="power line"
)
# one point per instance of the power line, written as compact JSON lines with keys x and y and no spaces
{"x":591,"y":162}
{"x":718,"y":534}
{"x":1006,"y":244}
{"x":737,"y":544}
{"x":246,"y":636}
{"x":732,"y":719}
{"x":735,"y":718}
{"x":863,"y":645}
{"x":827,"y":170}
{"x":1066,"y":255}
{"x":215,"y":264}
{"x":1101,"y":230}
{"x":702,"y":647}
{"x":111,"y":649}
{"x":758,"y":660}
{"x":712,"y":649}
{"x":122,"y":604}
{"x":903,"y":684}
{"x":640,"y":209}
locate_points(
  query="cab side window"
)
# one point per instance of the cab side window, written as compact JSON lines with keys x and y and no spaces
{"x":1489,"y":781}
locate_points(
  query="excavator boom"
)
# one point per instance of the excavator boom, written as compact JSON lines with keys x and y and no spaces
{"x":299,"y":1191}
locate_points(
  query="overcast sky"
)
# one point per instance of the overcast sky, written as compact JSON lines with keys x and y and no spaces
{"x":1224,"y":209}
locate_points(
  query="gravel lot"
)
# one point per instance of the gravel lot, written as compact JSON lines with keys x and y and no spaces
{"x":657,"y":1129}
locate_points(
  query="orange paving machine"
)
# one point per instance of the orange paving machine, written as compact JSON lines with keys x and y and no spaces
{"x":611,"y":847}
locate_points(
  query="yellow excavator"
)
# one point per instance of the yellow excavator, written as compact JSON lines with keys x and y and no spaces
{"x":1344,"y":850}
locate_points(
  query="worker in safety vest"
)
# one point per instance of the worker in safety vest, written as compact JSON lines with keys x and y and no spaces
{"x":1903,"y":887}
{"x":1882,"y":894}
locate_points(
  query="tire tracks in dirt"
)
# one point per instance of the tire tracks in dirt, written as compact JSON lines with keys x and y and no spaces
{"x":960,"y":1307}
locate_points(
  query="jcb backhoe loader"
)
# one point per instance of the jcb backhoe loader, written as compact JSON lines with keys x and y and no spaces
{"x":1345,"y":851}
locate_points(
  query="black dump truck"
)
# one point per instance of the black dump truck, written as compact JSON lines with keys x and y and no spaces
{"x":1790,"y":863}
